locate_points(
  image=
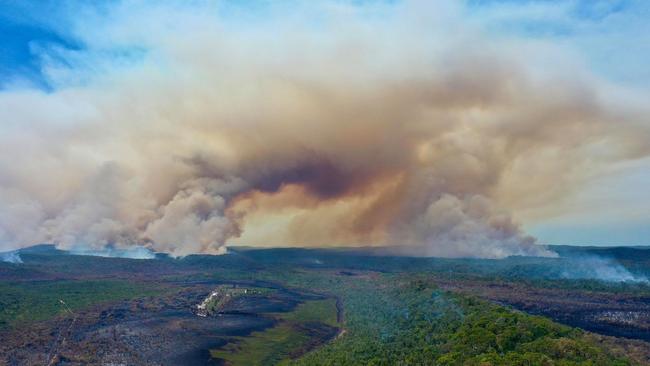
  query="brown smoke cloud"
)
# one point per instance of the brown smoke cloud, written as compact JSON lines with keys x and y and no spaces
{"x":415,"y":130}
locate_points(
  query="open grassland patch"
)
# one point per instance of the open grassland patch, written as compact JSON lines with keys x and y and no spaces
{"x":298,"y":331}
{"x":40,"y":300}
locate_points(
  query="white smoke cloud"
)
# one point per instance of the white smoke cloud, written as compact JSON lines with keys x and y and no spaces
{"x":178,"y":131}
{"x":469,"y":228}
{"x":600,"y":268}
{"x":193,"y":221}
{"x":11,"y":257}
{"x":133,"y":252}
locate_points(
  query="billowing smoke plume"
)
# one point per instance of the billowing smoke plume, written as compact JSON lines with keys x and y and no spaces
{"x":176,"y":130}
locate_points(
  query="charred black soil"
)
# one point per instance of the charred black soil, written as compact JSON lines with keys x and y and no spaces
{"x":152,"y":330}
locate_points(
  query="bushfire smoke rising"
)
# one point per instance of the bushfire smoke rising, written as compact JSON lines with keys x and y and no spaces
{"x":601,"y":268}
{"x":10,"y":257}
{"x":409,"y":128}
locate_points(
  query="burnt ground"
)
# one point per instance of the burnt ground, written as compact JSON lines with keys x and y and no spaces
{"x":150,"y":331}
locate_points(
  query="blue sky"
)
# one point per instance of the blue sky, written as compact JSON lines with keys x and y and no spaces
{"x":611,"y":34}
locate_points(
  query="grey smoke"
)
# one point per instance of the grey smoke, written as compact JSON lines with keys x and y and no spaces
{"x":132,"y":252}
{"x":600,"y":268}
{"x":11,"y":257}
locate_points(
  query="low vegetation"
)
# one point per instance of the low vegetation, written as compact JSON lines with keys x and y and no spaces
{"x":295,"y":332}
{"x":40,"y":300}
{"x":321,"y":311}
